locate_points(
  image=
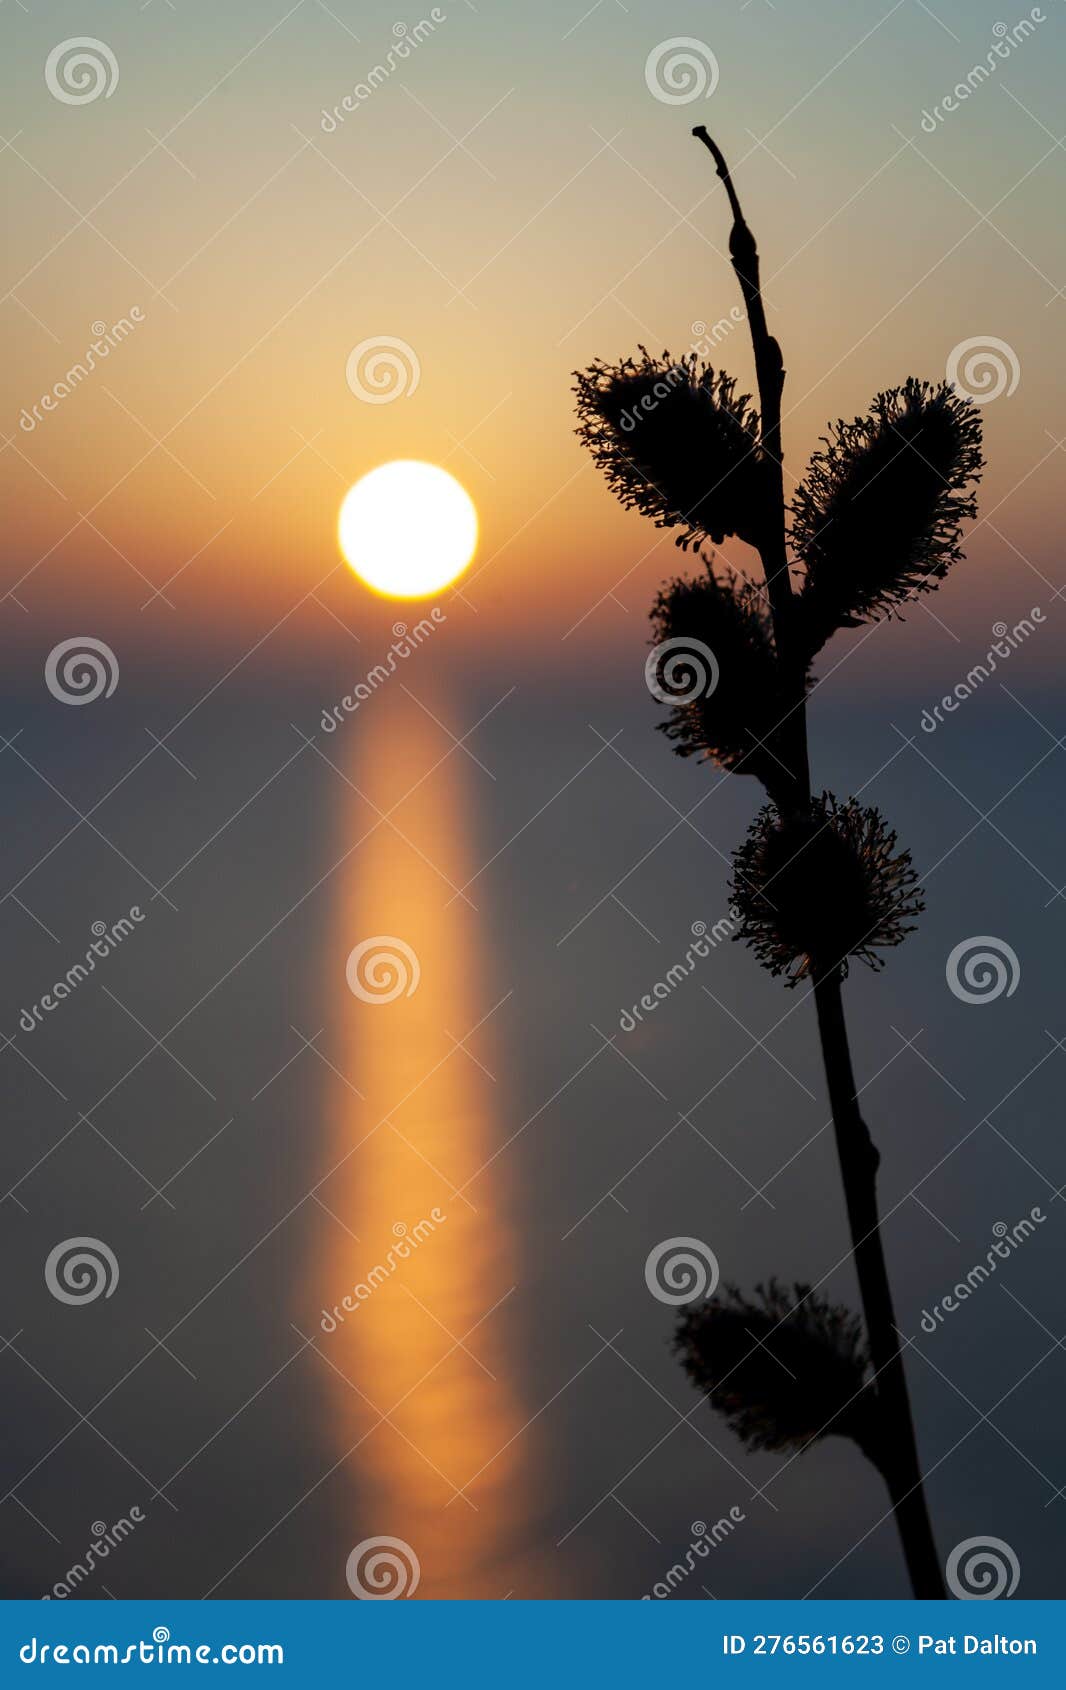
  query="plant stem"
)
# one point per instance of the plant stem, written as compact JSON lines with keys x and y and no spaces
{"x":856,"y":1151}
{"x":770,"y":375}
{"x":859,"y":1161}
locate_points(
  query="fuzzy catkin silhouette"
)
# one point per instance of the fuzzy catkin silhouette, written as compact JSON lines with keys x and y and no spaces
{"x":784,"y":1366}
{"x":672,"y":420}
{"x":876,"y":521}
{"x":817,"y":887}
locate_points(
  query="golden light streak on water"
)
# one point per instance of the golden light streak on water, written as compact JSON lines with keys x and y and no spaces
{"x":421,"y":1344}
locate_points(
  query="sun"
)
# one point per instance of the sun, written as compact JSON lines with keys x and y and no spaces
{"x":407,"y":529}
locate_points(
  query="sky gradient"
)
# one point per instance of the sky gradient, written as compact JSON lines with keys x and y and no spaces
{"x":576,"y":219}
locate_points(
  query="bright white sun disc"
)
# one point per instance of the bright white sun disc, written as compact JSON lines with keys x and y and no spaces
{"x":407,"y":529}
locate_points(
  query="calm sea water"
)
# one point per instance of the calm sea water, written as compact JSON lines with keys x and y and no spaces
{"x":481,"y":1167}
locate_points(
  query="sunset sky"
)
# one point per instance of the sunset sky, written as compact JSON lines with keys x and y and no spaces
{"x":511,"y":203}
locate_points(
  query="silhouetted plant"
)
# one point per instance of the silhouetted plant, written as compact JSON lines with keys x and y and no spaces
{"x":817,"y":887}
{"x":784,"y":1368}
{"x":736,"y":723}
{"x":875,"y":522}
{"x":878,"y":517}
{"x":655,"y":427}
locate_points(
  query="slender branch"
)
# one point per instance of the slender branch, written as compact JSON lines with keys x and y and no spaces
{"x":859,"y":1159}
{"x":857,"y":1153}
{"x":770,"y":375}
{"x":769,"y":365}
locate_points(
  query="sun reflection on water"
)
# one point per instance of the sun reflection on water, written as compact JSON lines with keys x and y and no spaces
{"x":424,"y":1343}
